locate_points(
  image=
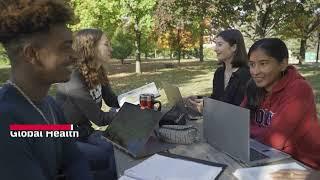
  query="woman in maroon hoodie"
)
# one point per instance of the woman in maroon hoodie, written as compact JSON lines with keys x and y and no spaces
{"x":282,"y":103}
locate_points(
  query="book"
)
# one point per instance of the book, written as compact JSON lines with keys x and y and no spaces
{"x":162,"y":167}
{"x":263,"y":172}
{"x":133,"y":96}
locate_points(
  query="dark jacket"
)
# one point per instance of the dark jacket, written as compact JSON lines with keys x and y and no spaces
{"x":37,"y":158}
{"x":79,"y":105}
{"x":234,"y":92}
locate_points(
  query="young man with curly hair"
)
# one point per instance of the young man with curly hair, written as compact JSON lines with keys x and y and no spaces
{"x":39,"y":46}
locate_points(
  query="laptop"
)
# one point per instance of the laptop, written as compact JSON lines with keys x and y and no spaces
{"x":132,"y":130}
{"x":174,"y":98}
{"x":227,"y":127}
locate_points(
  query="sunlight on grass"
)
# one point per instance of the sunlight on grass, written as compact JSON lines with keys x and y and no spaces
{"x":192,"y":77}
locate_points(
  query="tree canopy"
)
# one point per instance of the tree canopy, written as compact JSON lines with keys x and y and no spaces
{"x":183,"y":26}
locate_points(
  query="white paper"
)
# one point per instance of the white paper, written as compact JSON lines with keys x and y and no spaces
{"x":263,"y":172}
{"x":126,"y":178}
{"x":134,"y":95}
{"x":159,"y":167}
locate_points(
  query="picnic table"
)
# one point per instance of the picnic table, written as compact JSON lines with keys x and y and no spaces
{"x":200,"y":150}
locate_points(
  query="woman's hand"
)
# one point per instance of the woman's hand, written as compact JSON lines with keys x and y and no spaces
{"x":186,"y":100}
{"x":294,"y":174}
{"x":196,"y":104}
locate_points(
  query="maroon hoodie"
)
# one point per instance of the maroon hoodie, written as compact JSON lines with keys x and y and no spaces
{"x":287,"y":119}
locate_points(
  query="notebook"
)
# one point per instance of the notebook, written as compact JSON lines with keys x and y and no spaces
{"x":160,"y":166}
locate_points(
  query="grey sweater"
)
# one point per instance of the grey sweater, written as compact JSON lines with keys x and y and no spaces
{"x":82,"y":105}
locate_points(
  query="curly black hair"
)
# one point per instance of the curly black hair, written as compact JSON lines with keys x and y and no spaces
{"x":21,"y":17}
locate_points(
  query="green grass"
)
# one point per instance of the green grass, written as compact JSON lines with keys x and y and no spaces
{"x":192,"y":77}
{"x":312,"y":74}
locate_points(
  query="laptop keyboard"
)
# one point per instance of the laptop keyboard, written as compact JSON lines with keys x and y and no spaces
{"x":255,"y":155}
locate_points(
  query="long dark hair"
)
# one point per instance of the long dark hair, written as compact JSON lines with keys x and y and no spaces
{"x":233,"y":36}
{"x":275,"y":48}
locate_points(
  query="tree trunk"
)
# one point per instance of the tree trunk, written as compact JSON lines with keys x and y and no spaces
{"x":146,"y":55}
{"x":302,"y":53}
{"x":179,"y":55}
{"x":138,"y":67}
{"x":179,"y":45}
{"x":146,"y":51}
{"x":201,"y":42}
{"x":317,"y":60}
{"x":137,"y":44}
{"x":122,"y":61}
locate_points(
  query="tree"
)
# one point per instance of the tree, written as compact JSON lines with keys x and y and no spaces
{"x":199,"y":10}
{"x":255,"y":18}
{"x":267,"y":18}
{"x":148,"y":42}
{"x":225,"y":14}
{"x":171,"y":19}
{"x":122,"y":45}
{"x":139,"y":13}
{"x":302,"y":23}
{"x":102,"y":14}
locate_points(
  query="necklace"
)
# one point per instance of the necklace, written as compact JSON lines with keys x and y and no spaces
{"x":30,"y":102}
{"x":227,"y":76}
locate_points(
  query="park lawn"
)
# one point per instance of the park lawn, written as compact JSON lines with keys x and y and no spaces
{"x":192,"y":77}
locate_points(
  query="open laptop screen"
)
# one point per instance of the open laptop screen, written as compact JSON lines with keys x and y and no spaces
{"x":174,"y":97}
{"x":173,"y":94}
{"x":132,"y":127}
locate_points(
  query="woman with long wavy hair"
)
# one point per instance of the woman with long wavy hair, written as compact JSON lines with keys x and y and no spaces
{"x":81,"y":99}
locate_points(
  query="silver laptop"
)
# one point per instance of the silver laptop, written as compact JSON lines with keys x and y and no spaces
{"x":227,"y":127}
{"x":174,"y":98}
{"x":132,"y":131}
